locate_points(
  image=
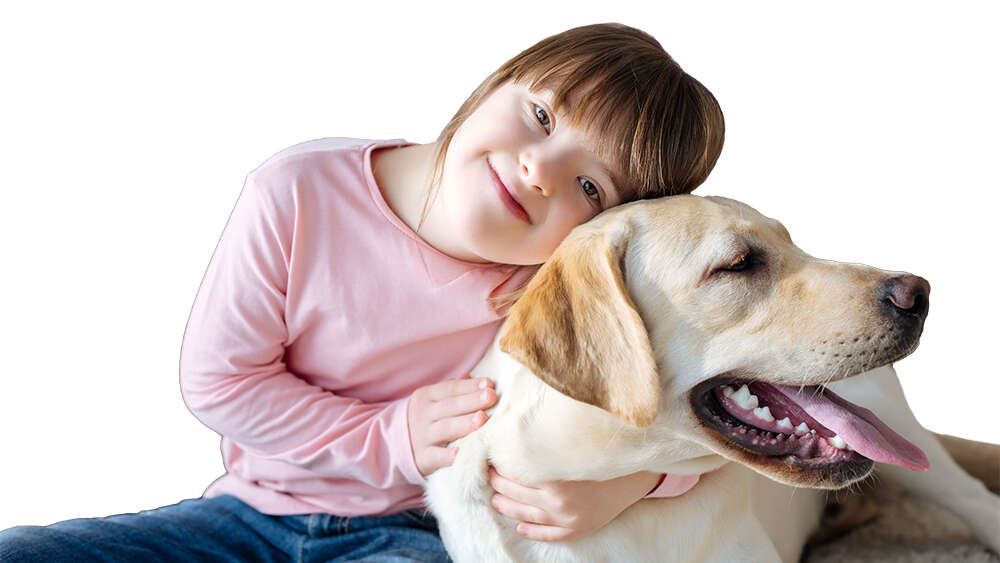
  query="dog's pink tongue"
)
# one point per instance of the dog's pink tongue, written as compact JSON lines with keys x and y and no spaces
{"x":858,"y":426}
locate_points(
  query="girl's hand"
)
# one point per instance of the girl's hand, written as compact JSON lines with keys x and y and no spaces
{"x":446,"y":411}
{"x":565,"y":510}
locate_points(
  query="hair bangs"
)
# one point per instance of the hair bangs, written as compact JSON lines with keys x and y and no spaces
{"x":662,"y":128}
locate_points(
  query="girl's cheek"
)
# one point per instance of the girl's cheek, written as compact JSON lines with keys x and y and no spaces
{"x":511,"y":136}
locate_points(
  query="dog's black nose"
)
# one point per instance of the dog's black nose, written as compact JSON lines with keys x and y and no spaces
{"x":907,"y":295}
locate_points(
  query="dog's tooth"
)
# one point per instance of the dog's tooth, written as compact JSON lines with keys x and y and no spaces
{"x":837,"y":442}
{"x":744,"y":399}
{"x":764,"y":413}
{"x":785,"y":423}
{"x":741,"y":395}
{"x":727,"y":391}
{"x":803,"y":428}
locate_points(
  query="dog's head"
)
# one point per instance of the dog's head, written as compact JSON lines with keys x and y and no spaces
{"x":698,"y":313}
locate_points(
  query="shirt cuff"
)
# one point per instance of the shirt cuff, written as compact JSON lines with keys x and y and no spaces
{"x":399,"y":441}
{"x":673,"y":485}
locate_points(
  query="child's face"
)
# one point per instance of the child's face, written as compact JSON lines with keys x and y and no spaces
{"x":515,"y":144}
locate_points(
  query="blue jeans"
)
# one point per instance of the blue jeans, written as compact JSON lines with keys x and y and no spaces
{"x":225,"y":528}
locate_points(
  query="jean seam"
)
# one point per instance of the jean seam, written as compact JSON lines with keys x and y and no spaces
{"x":302,"y":543}
{"x":237,"y":516}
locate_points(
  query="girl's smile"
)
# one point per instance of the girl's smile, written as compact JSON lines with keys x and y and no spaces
{"x":508,"y":197}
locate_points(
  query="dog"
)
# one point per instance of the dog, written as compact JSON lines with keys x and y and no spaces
{"x":653,"y":339}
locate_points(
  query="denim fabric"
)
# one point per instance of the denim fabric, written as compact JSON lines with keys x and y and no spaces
{"x":225,"y":528}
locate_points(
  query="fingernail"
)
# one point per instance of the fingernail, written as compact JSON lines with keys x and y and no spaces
{"x":483,"y":383}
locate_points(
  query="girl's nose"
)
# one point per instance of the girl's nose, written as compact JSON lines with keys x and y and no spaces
{"x":539,"y":172}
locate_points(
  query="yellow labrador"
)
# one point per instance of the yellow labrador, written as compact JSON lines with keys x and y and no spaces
{"x":690,"y":335}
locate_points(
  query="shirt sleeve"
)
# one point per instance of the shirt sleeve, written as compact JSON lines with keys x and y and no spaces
{"x":673,"y":485}
{"x":232,"y":372}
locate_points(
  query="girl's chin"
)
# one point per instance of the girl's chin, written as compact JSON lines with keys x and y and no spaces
{"x":502,"y":254}
{"x":480,"y":231}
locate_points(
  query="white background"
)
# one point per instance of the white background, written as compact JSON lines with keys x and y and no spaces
{"x":869,"y":129}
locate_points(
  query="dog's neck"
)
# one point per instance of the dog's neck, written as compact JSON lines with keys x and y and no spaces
{"x":537,"y":431}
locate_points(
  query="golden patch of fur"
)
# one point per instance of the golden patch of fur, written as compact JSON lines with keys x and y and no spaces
{"x":577,"y":329}
{"x":979,"y":459}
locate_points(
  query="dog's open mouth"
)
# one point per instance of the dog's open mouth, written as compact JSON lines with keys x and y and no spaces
{"x":810,"y":426}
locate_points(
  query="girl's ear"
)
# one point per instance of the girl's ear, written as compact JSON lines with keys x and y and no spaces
{"x":577,"y":330}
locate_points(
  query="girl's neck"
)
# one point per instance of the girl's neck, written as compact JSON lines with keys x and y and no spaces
{"x":403,"y":175}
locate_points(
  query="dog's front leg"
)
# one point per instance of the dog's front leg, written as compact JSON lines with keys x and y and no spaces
{"x":946,"y":483}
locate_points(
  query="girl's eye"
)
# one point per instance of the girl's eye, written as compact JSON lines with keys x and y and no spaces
{"x":590,"y":189}
{"x":543,"y":117}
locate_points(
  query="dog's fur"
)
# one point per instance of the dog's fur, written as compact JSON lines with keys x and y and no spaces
{"x":599,"y":362}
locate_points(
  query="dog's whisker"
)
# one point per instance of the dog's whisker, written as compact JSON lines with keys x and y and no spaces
{"x":614,"y":435}
{"x":791,"y":497}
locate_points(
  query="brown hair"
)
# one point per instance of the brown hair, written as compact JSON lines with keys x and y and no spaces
{"x":664,"y":128}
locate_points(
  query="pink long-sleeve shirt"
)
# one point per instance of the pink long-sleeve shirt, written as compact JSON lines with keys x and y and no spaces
{"x":319,"y":314}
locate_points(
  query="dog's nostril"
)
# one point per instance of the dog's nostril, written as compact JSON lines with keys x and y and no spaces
{"x":908,"y":293}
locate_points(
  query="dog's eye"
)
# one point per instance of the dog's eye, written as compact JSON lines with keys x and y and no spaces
{"x":742,"y":263}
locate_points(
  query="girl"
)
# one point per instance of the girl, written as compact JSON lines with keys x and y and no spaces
{"x":357,"y":281}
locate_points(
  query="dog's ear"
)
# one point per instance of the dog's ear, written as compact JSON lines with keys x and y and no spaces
{"x":575,"y":327}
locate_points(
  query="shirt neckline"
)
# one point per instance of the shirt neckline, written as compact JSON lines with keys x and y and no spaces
{"x":387,"y":212}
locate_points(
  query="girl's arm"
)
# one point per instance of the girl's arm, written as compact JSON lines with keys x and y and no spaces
{"x":565,"y":510}
{"x":232,"y":371}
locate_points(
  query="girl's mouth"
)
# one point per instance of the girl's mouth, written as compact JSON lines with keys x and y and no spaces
{"x":506,"y":197}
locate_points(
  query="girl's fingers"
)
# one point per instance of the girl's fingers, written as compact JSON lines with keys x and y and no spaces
{"x":519,"y":511}
{"x":479,"y":399}
{"x":453,"y":428}
{"x":434,"y":458}
{"x":541,"y":532}
{"x":517,"y":492}
{"x":461,"y":386}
